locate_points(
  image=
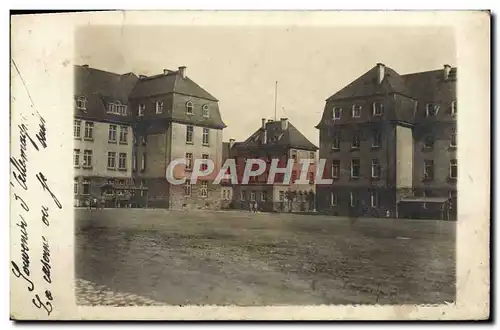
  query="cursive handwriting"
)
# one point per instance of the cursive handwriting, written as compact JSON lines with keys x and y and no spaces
{"x":37,"y":301}
{"x":45,"y":215}
{"x":46,"y":261}
{"x":43,"y":181}
{"x":20,"y":164}
{"x":22,"y":202}
{"x":42,"y":134}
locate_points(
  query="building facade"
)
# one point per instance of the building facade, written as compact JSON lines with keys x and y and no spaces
{"x":154,"y":120}
{"x":282,"y":141}
{"x":390,"y":145}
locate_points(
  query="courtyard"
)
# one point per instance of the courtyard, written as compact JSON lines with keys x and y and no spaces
{"x":154,"y":257}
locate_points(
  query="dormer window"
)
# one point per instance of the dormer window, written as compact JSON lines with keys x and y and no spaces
{"x":429,"y":141}
{"x":81,"y":103}
{"x":117,"y":108}
{"x":337,"y":112}
{"x":159,"y":107}
{"x":356,"y":111}
{"x":431,"y":110}
{"x":205,"y":111}
{"x":454,"y":108}
{"x":142,"y":108}
{"x":189,"y":108}
{"x":378,"y":109}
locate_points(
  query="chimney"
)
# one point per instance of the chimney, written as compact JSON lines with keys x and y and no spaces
{"x":380,"y":72}
{"x":284,"y":124}
{"x":269,"y":120}
{"x":141,"y":76}
{"x":85,"y":65}
{"x":446,"y":71}
{"x":231,"y":143}
{"x":263,"y":123}
{"x":165,"y":71}
{"x":182,"y":71}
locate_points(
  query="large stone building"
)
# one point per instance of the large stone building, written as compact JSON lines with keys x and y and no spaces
{"x":145,"y":123}
{"x":390,"y":144}
{"x":282,"y":141}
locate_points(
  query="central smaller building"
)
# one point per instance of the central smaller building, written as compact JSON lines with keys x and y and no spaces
{"x":275,"y":139}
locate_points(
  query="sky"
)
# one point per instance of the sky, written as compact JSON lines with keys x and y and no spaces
{"x":240,"y":65}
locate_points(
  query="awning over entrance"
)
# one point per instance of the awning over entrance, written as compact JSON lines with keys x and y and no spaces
{"x":424,"y":199}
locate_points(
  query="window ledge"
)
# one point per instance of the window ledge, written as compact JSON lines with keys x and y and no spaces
{"x":76,"y":166}
{"x":111,"y":168}
{"x":87,"y":167}
{"x":452,"y":178}
{"x":453,"y":148}
{"x":375,"y":147}
{"x":205,"y":144}
{"x":123,"y":143}
{"x":354,"y":178}
{"x":189,"y":142}
{"x":112,"y":142}
{"x":354,"y":149}
{"x":335,"y":149}
{"x":77,"y":137}
{"x":122,"y":169}
{"x":89,"y":139}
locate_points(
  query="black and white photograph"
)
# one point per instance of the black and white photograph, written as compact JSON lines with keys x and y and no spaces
{"x":254,"y":165}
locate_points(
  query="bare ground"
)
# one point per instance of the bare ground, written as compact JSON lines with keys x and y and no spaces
{"x":240,"y":258}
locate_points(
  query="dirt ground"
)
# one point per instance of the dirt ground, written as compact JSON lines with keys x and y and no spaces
{"x":222,"y":258}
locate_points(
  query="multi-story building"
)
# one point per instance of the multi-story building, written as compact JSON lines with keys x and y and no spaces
{"x":390,"y":145}
{"x":168,"y":116}
{"x":282,"y":141}
{"x":102,"y":130}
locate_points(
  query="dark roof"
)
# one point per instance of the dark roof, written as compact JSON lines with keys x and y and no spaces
{"x":172,"y":82}
{"x":429,"y":86}
{"x":276,"y":137}
{"x":99,"y":88}
{"x":367,"y":84}
{"x":225,"y":151}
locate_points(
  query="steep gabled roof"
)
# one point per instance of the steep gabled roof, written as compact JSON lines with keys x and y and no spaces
{"x":171,"y":82}
{"x":367,"y":85}
{"x":276,"y":137}
{"x":100,"y":88}
{"x":430,"y":86}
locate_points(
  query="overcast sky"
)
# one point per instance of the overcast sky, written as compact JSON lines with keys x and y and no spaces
{"x":239,"y":65}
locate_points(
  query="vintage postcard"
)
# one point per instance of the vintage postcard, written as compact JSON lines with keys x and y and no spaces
{"x":198,"y":165}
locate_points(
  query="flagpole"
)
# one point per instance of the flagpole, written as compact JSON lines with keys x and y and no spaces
{"x":275,"y":99}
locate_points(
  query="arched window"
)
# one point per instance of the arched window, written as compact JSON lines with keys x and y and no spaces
{"x":378,"y":109}
{"x":81,"y":103}
{"x":337,"y":112}
{"x":205,"y":112}
{"x":189,"y":107}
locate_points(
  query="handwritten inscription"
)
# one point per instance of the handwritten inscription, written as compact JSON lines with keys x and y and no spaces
{"x":24,"y":269}
{"x":43,"y":181}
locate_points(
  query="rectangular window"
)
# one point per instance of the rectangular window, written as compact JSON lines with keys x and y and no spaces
{"x":431,"y":110}
{"x":87,"y":158}
{"x":374,"y":198}
{"x":77,"y":128}
{"x":111,"y":159}
{"x":81,"y":103}
{"x":453,"y":139}
{"x":252,"y":196}
{"x":204,"y":165}
{"x":429,"y":141}
{"x":89,"y":130}
{"x":337,"y":113}
{"x":263,"y":196}
{"x":454,"y":108}
{"x":205,"y":140}
{"x":355,"y":141}
{"x":353,"y":199}
{"x":356,"y":111}
{"x":134,"y":161}
{"x":122,"y":161}
{"x":375,"y":168}
{"x":189,"y":134}
{"x":378,"y":109}
{"x":428,"y":169}
{"x":86,"y":187}
{"x":453,"y":169}
{"x":355,"y":168}
{"x":189,"y":161}
{"x":336,"y":141}
{"x":142,"y":108}
{"x":112,"y":133}
{"x":75,"y":186}
{"x":159,"y":107}
{"x":143,"y":164}
{"x":123,"y":134}
{"x":76,"y":157}
{"x":281,"y":195}
{"x":376,"y":138}
{"x":312,"y":155}
{"x":336,"y":168}
{"x":187,"y":188}
{"x":205,"y":111}
{"x":204,"y":189}
{"x":333,"y":199}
